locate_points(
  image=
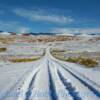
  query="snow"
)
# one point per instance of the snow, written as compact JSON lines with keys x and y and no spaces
{"x":47,"y":78}
{"x":5,"y":33}
{"x":83,"y":91}
{"x":12,"y":77}
{"x":40,"y":89}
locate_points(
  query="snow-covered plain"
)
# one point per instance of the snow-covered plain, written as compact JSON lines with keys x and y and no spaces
{"x":47,"y":78}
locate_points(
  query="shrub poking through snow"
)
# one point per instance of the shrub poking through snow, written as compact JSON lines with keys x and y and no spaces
{"x":58,"y":51}
{"x":15,"y":60}
{"x":84,"y":61}
{"x":3,"y":49}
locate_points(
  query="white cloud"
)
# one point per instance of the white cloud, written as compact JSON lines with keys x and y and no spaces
{"x":76,"y":30}
{"x":23,"y":29}
{"x":40,"y":15}
{"x":13,"y":26}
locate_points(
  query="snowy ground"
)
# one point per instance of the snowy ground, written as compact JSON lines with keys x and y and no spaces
{"x":47,"y":78}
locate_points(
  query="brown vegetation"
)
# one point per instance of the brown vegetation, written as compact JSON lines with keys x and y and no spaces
{"x":6,"y":39}
{"x":84,"y":61}
{"x":14,"y":38}
{"x":15,"y":60}
{"x":3,"y":49}
{"x":88,"y":61}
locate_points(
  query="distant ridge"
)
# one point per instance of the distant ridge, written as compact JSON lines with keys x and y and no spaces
{"x":50,"y":34}
{"x":43,"y":33}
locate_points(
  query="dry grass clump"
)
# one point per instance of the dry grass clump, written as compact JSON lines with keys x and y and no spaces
{"x":58,"y":53}
{"x":45,"y":39}
{"x":30,"y":39}
{"x":56,"y":38}
{"x":84,"y":61}
{"x":58,"y":50}
{"x":7,"y":40}
{"x":3,"y":49}
{"x":15,"y":60}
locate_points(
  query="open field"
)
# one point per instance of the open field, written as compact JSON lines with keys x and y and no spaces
{"x":49,"y":68}
{"x":64,"y":47}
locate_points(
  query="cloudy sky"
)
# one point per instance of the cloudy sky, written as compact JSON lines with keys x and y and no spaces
{"x":62,"y":16}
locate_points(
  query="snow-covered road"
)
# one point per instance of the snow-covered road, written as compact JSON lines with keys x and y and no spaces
{"x":49,"y":79}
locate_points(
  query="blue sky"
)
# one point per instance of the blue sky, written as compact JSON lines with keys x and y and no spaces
{"x":62,"y":16}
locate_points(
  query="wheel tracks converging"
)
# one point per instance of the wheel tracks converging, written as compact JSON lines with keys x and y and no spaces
{"x":72,"y":91}
{"x":57,"y":80}
{"x":96,"y":92}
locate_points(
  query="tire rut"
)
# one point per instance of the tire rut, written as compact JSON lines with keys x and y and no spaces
{"x":28,"y":93}
{"x":52,"y":87}
{"x":96,"y":92}
{"x":12,"y":88}
{"x":72,"y":91}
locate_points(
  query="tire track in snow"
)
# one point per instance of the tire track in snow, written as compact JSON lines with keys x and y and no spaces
{"x":28,"y":93}
{"x":52,"y":87}
{"x":61,"y":92}
{"x":85,"y":78}
{"x":80,"y":74}
{"x":96,"y":92}
{"x":27,"y":87}
{"x":69,"y":87}
{"x":94,"y":83}
{"x":13,"y":87}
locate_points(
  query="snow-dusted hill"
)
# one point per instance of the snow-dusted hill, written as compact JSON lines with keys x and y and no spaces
{"x":5,"y":33}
